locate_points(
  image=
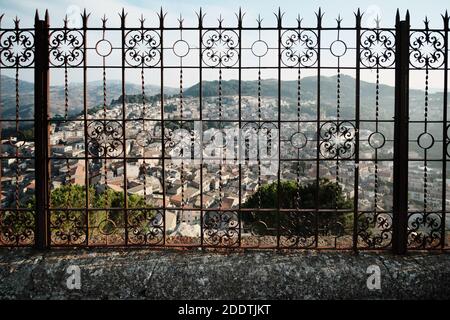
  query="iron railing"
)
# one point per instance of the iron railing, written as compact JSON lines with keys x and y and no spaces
{"x":285,"y":137}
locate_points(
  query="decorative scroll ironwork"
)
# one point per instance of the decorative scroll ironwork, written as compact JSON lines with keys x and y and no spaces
{"x":299,"y":48}
{"x":427,"y":49}
{"x":337,"y":140}
{"x":375,"y":229}
{"x":105,"y":138}
{"x":424,"y":230}
{"x":220,"y":48}
{"x":17,"y":228}
{"x":145,"y":226}
{"x":68,"y":227}
{"x":221,"y":228}
{"x":142,"y":48}
{"x":298,"y":229}
{"x":377,"y":48}
{"x":161,"y":129}
{"x":66,"y":48}
{"x":17,"y":47}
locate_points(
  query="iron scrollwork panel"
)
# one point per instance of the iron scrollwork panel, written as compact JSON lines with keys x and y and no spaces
{"x":17,"y":48}
{"x":220,"y":48}
{"x":105,"y":138}
{"x":375,"y":229}
{"x":221,"y":228}
{"x":424,"y":230}
{"x":66,"y":48}
{"x":17,"y":227}
{"x":142,"y":48}
{"x":337,"y":140}
{"x":298,"y":229}
{"x":145,"y":226}
{"x":299,"y":48}
{"x":427,"y":49}
{"x":377,"y":48}
{"x":68,"y":227}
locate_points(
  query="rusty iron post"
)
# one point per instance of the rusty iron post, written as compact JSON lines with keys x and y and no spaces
{"x":401,"y":122}
{"x":41,"y":126}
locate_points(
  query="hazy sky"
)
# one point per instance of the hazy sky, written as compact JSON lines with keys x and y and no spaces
{"x":386,"y":10}
{"x":433,"y":8}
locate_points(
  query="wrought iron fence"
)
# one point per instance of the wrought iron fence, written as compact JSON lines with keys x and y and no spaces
{"x":274,"y":137}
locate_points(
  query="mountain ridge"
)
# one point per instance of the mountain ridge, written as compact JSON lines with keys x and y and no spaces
{"x":269,"y":88}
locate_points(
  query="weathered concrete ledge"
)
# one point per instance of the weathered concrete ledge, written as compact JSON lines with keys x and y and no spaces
{"x":146,"y":274}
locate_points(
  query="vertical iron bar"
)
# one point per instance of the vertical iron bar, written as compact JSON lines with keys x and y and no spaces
{"x":85,"y":115}
{"x":357,"y":116}
{"x":163,"y":156}
{"x":41,"y":127}
{"x":316,"y":196}
{"x":240,"y":126}
{"x":280,"y":17}
{"x":401,"y":131}
{"x":125,"y":191}
{"x":444,"y":132}
{"x":200,"y":102}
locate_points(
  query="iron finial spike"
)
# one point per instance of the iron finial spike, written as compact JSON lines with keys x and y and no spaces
{"x":200,"y":17}
{"x":104,"y":19}
{"x":85,"y":17}
{"x":358,"y":17}
{"x":426,"y":22}
{"x":299,"y":21}
{"x":36,"y":16}
{"x":240,"y":16}
{"x":397,"y":17}
{"x":319,"y":16}
{"x":122,"y":16}
{"x":180,"y":21}
{"x":279,"y":17}
{"x":444,"y":17}
{"x":16,"y":22}
{"x":377,"y":21}
{"x":259,"y":21}
{"x":161,"y":13}
{"x":47,"y":17}
{"x":339,"y":20}
{"x":407,"y":16}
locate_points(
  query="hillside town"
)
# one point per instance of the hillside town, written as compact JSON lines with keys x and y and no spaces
{"x":136,"y":159}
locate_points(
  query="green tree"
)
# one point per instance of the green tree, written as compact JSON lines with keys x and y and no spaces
{"x":70,"y":196}
{"x":74,"y":197}
{"x":330,"y":196}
